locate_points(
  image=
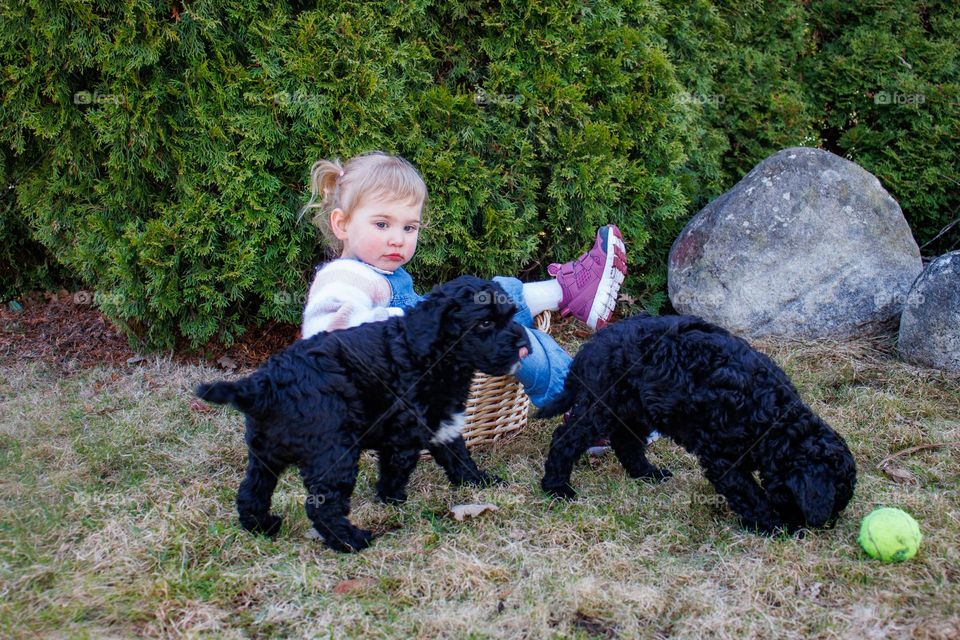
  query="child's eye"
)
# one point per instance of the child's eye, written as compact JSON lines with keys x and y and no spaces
{"x":381,"y":225}
{"x":410,"y":228}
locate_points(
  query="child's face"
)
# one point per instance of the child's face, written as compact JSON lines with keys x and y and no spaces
{"x":381,"y":232}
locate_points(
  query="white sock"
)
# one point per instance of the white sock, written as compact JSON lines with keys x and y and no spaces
{"x":542,"y":296}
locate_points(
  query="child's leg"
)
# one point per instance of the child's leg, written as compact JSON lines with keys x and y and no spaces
{"x":543,"y":372}
{"x":542,"y":296}
{"x":586,"y":287}
{"x":514,"y":289}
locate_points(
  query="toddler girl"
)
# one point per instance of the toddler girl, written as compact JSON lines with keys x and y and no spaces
{"x":371,"y":210}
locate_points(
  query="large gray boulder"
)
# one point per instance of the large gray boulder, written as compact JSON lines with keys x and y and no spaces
{"x":930,"y":324}
{"x":806,"y":245}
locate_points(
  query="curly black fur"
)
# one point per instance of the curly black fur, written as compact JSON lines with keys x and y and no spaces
{"x":719,"y":399}
{"x":397,"y":386}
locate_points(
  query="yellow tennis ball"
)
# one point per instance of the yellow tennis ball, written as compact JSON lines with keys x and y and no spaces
{"x":890,"y":535}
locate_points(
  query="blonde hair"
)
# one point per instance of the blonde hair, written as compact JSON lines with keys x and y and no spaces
{"x":346,"y":187}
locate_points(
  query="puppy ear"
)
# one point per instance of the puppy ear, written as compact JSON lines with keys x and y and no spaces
{"x":814,"y":493}
{"x":492,"y":291}
{"x":426,"y":327}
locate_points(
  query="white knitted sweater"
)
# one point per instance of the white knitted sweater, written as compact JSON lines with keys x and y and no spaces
{"x":346,"y":293}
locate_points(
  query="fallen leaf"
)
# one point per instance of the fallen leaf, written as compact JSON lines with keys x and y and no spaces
{"x":200,"y":406}
{"x":135,"y":359}
{"x":227,"y":362}
{"x":355,"y":584}
{"x":462,"y":511}
{"x":899,"y":475}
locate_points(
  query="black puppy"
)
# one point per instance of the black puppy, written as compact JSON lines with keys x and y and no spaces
{"x":719,"y":399}
{"x":396,"y":386}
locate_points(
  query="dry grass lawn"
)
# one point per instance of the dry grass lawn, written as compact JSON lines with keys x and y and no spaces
{"x":118,"y":521}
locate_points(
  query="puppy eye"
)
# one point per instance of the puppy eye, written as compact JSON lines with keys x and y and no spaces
{"x":486,"y":324}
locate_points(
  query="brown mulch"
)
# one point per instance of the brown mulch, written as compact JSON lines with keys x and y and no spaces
{"x":64,"y":330}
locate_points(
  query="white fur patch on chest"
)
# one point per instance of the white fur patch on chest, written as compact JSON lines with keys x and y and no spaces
{"x":449,"y":429}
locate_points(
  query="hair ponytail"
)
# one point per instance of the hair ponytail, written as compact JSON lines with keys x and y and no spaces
{"x":323,"y":186}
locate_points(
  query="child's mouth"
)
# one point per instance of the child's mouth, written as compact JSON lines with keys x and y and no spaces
{"x":393,"y":256}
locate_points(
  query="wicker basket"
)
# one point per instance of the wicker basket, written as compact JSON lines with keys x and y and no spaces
{"x":497,"y":407}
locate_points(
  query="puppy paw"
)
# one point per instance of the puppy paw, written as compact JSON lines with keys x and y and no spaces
{"x":268,"y":525}
{"x":271,"y":527}
{"x":563,"y":491}
{"x":350,"y":540}
{"x":362,"y":539}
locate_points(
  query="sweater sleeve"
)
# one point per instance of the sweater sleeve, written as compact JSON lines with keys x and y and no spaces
{"x":346,"y":293}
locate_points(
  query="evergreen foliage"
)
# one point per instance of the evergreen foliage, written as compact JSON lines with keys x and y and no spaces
{"x":25,"y":264}
{"x":885,"y":79}
{"x":160,"y":151}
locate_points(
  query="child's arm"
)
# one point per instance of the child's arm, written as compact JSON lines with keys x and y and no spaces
{"x":346,"y":293}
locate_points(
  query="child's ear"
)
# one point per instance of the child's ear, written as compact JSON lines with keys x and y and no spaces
{"x":338,"y":223}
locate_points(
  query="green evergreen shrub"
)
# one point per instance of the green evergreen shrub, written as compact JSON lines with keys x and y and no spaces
{"x":25,"y":264}
{"x":174,"y":146}
{"x":885,"y":79}
{"x":875,"y":82}
{"x":759,"y":74}
{"x":160,"y":151}
{"x":741,"y":65}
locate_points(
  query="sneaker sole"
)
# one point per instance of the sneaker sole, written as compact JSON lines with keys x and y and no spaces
{"x":599,"y":311}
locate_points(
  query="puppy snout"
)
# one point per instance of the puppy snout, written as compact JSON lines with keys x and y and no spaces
{"x":524,"y":352}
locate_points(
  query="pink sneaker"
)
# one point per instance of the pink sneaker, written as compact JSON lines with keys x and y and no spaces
{"x":590,"y":283}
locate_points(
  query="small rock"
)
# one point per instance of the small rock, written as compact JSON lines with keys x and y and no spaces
{"x":930,"y":324}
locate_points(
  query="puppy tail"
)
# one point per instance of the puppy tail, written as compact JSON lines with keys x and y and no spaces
{"x":240,"y":394}
{"x":561,"y":404}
